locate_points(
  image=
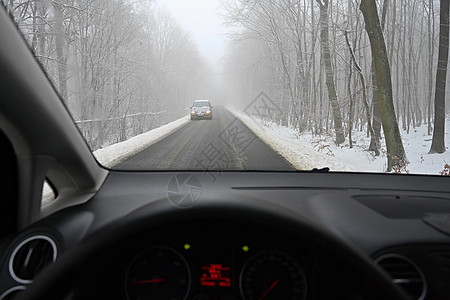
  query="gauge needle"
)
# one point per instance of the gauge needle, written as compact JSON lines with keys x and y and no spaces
{"x":147,"y":281}
{"x":269,"y":289}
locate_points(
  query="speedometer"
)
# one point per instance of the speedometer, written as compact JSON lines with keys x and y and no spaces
{"x":272,"y":274}
{"x":158,"y":273}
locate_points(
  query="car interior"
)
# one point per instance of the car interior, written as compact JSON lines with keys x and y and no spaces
{"x":112,"y":234}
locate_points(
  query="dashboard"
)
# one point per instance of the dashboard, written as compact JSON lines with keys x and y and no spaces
{"x":249,"y":236}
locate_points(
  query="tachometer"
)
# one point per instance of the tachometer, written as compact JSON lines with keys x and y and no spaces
{"x":158,"y":273}
{"x":272,"y":274}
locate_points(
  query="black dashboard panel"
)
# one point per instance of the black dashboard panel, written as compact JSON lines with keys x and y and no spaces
{"x":324,"y":233}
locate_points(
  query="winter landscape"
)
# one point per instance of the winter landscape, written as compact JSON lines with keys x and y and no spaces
{"x":341,"y":96}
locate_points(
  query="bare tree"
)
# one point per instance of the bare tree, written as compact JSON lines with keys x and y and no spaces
{"x":366,"y":104}
{"x":326,"y":54}
{"x":438,"y":143}
{"x":395,"y":152}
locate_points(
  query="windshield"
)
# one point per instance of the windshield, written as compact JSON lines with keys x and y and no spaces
{"x":201,"y":104}
{"x":353,"y":86}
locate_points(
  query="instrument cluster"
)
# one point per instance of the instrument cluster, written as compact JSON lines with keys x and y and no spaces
{"x":161,"y":272}
{"x":221,"y":260}
{"x":219,"y":264}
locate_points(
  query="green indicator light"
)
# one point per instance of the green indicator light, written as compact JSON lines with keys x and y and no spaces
{"x":245,"y":248}
{"x":187,"y":246}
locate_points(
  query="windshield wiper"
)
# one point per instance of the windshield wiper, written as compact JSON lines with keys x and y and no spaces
{"x":322,"y":170}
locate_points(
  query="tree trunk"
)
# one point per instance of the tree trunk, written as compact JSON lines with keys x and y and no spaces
{"x":325,"y":45}
{"x":366,"y":104}
{"x":430,"y":63}
{"x":376,"y":119}
{"x":438,"y":144}
{"x":350,"y":108}
{"x":60,"y":56}
{"x":395,"y":152}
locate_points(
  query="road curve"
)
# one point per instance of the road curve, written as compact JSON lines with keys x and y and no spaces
{"x":223,"y":143}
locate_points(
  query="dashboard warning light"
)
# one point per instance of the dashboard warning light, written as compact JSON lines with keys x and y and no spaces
{"x":187,"y":246}
{"x":245,"y":248}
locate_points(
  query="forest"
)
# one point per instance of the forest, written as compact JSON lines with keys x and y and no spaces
{"x":121,"y":67}
{"x":314,"y":59}
{"x":332,"y":67}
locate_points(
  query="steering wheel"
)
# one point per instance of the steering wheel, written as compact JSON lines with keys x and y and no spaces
{"x":56,"y":281}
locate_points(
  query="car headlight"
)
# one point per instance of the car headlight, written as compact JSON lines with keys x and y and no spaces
{"x":192,"y":112}
{"x":208,"y":112}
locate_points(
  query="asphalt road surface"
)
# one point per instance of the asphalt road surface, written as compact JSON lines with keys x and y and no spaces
{"x":223,"y":143}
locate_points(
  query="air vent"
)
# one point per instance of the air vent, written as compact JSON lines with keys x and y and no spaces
{"x":30,"y":257}
{"x":12,"y":293}
{"x":405,"y":274}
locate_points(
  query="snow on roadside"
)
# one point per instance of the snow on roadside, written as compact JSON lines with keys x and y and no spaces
{"x":114,"y":154}
{"x":306,"y":152}
{"x":286,"y":142}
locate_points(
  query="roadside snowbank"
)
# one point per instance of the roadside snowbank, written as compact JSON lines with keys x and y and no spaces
{"x":306,"y":152}
{"x":114,"y":154}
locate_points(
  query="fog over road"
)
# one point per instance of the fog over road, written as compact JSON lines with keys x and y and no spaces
{"x":223,"y":143}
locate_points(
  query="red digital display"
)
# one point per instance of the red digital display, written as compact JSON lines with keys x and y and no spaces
{"x":215,"y":275}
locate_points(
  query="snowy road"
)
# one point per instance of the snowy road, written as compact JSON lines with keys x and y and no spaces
{"x":223,"y":143}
